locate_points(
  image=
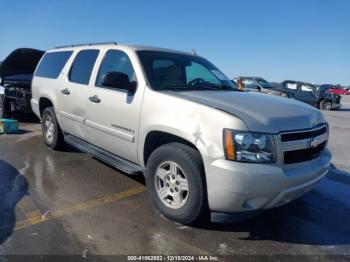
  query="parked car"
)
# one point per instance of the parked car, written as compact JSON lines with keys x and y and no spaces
{"x":179,"y":120}
{"x":258,"y":84}
{"x":16,"y":74}
{"x":312,"y":95}
{"x":332,"y":89}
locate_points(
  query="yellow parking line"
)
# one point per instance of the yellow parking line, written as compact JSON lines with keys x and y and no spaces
{"x":28,"y":207}
{"x":37,"y":219}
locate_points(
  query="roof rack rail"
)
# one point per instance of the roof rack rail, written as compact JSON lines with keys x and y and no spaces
{"x":90,"y":44}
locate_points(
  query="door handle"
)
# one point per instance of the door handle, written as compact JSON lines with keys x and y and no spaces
{"x":94,"y":99}
{"x":65,"y":91}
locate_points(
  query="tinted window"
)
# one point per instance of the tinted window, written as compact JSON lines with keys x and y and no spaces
{"x":115,"y":60}
{"x":52,"y":64}
{"x":82,"y":66}
{"x":157,"y":64}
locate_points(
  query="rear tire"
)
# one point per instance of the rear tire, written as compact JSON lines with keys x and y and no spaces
{"x":326,"y":105}
{"x":175,"y":182}
{"x":52,"y":133}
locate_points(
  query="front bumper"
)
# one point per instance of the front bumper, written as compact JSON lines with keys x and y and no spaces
{"x":238,"y":187}
{"x":18,"y":100}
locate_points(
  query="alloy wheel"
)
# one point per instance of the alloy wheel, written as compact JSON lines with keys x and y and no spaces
{"x":171,"y":185}
{"x":49,"y":129}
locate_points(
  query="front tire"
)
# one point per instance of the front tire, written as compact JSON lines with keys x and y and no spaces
{"x":176,"y":184}
{"x":326,"y":105}
{"x":52,"y":132}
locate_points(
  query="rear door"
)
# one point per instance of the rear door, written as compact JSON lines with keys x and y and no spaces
{"x":113,"y":114}
{"x":74,"y":93}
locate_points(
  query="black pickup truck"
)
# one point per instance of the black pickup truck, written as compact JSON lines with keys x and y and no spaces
{"x":311,"y":94}
{"x":16,"y":74}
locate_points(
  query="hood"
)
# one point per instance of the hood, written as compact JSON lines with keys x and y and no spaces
{"x":22,"y":61}
{"x":260,"y":112}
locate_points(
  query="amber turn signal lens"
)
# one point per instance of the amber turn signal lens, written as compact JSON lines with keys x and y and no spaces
{"x":229,"y":146}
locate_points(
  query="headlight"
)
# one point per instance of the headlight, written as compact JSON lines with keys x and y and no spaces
{"x":284,"y":95}
{"x":245,"y":146}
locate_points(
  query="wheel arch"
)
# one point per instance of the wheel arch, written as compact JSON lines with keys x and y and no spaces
{"x":322,"y":100}
{"x":158,"y":137}
{"x":44,"y":102}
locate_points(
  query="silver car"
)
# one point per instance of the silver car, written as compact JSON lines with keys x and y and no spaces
{"x":202,"y":144}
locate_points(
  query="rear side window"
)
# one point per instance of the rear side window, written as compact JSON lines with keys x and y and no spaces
{"x":52,"y":64}
{"x":82,"y":66}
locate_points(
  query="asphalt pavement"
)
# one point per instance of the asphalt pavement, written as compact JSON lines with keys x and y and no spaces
{"x":54,"y":203}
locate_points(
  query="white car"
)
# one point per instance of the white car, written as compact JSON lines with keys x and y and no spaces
{"x":201,"y":143}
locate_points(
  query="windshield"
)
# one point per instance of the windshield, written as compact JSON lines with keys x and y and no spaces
{"x":264,"y":83}
{"x":171,"y":71}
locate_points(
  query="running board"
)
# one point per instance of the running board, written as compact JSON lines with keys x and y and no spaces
{"x":111,"y":159}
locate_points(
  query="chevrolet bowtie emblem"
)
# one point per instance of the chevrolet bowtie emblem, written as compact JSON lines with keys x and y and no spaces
{"x":315,"y":141}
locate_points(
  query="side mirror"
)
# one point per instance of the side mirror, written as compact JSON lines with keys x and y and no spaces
{"x":118,"y":80}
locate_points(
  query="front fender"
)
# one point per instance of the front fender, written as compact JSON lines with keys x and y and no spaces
{"x":191,"y":137}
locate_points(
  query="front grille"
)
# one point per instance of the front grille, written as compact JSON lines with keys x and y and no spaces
{"x":304,"y":145}
{"x":303,"y":155}
{"x":11,"y":93}
{"x":303,"y":134}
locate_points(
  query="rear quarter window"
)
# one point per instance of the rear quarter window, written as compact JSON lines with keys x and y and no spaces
{"x":52,"y":64}
{"x":82,"y":66}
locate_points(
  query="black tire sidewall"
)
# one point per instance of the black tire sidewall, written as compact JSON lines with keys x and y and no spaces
{"x":193,"y":169}
{"x":326,"y":105}
{"x":50,"y":112}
